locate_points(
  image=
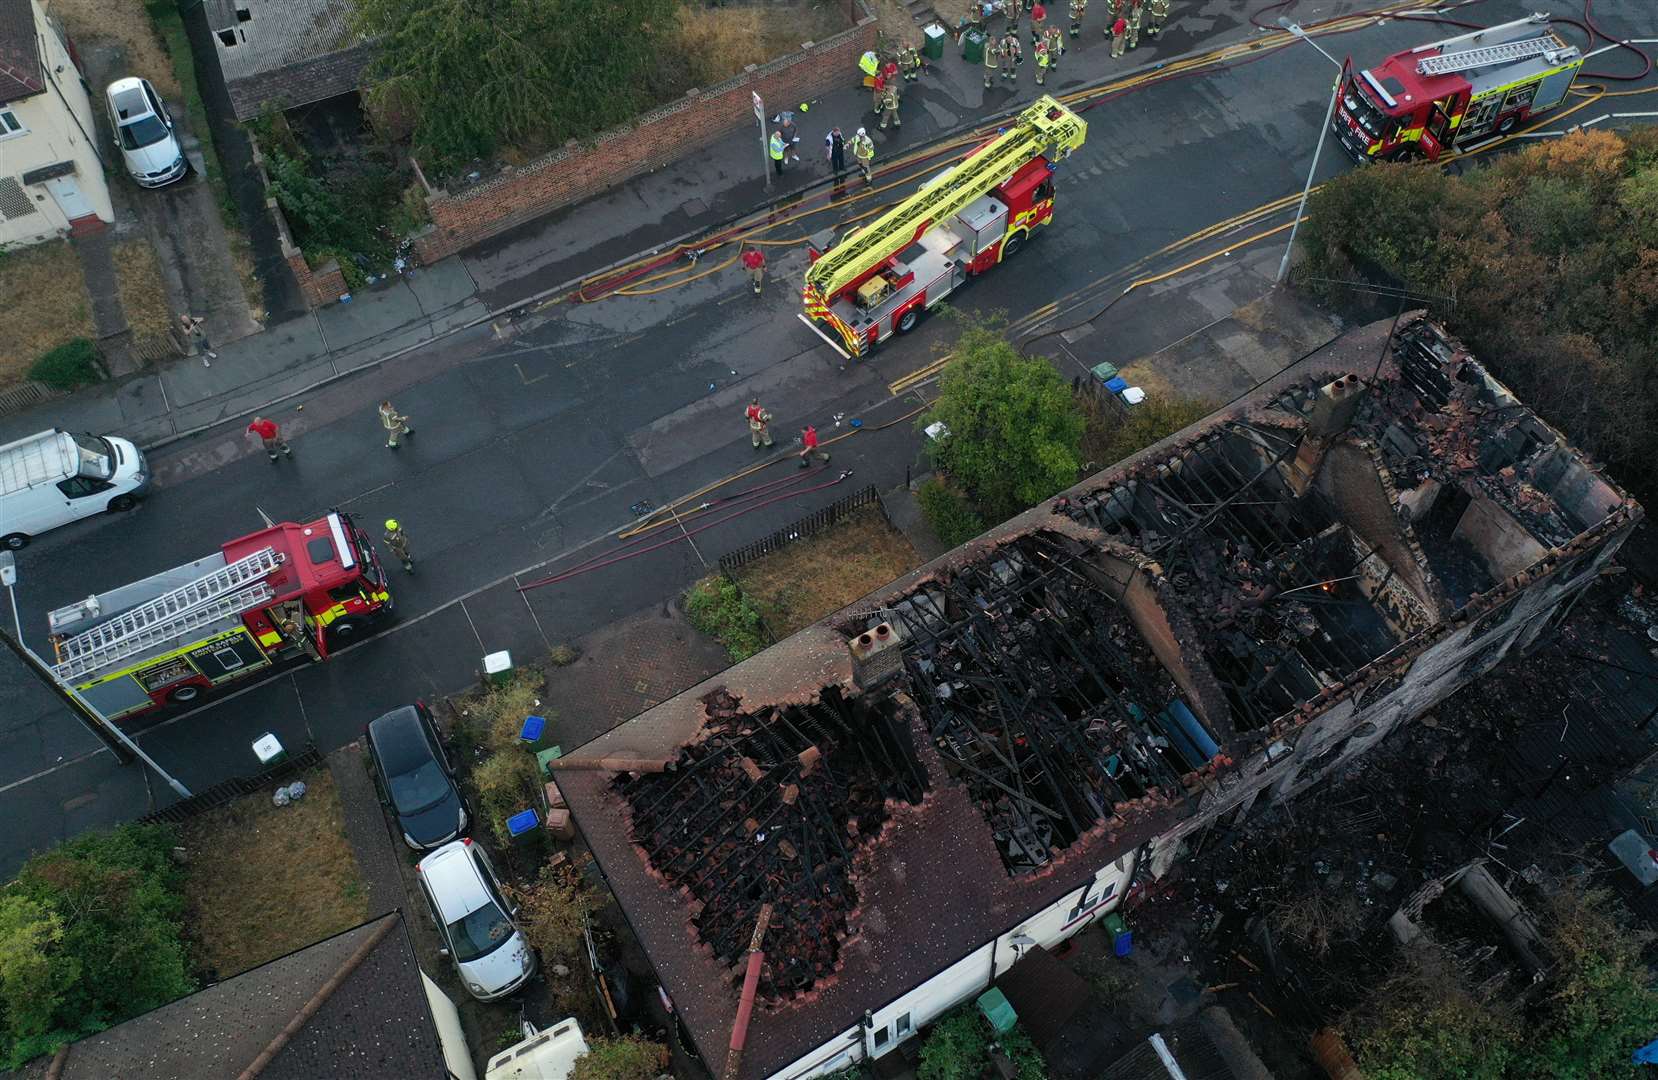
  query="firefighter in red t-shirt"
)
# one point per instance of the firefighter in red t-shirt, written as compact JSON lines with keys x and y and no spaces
{"x":755,"y":262}
{"x":759,"y":423}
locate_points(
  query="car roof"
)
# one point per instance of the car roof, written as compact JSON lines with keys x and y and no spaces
{"x":127,"y":98}
{"x":454,"y":880}
{"x":400,"y":733}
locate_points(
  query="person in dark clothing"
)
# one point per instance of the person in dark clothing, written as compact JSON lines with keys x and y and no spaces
{"x":834,"y":144}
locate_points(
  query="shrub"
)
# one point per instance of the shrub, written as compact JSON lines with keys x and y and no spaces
{"x":497,"y":715}
{"x":550,"y":912}
{"x":956,"y":1048}
{"x":625,"y":1058}
{"x":717,"y":607}
{"x":947,"y":512}
{"x":506,"y":782}
{"x":1113,"y":436}
{"x":90,"y":934}
{"x":73,"y":364}
{"x":1015,"y":430}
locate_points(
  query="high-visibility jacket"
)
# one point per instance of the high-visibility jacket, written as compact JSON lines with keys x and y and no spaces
{"x":863,"y":148}
{"x":776,"y":147}
{"x":869,"y":63}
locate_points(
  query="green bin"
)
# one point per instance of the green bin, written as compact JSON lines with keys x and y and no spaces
{"x":972,"y":47}
{"x":932,"y":46}
{"x":996,"y":1008}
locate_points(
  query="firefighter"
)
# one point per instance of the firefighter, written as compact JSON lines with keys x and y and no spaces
{"x":754,"y":261}
{"x":1079,"y":8}
{"x":889,"y":107}
{"x":294,"y":630}
{"x":1038,"y":18}
{"x":777,"y":148}
{"x":863,"y":152}
{"x":1135,"y":15}
{"x":271,"y":436}
{"x":1157,"y":13}
{"x":1012,"y":55}
{"x":870,"y":65}
{"x":808,"y":447}
{"x":911,"y":63}
{"x":1119,"y":8}
{"x":395,"y":424}
{"x":759,"y":423}
{"x":1056,"y":46}
{"x":992,"y":57}
{"x":1118,"y":33}
{"x":1041,"y":62}
{"x":877,"y":87}
{"x":398,"y":541}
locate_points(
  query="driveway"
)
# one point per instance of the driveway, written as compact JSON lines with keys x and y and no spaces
{"x":182,"y":221}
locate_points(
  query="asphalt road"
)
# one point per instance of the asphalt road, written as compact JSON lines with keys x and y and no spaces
{"x":535,"y":442}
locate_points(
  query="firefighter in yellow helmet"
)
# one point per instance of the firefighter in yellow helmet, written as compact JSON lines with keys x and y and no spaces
{"x":398,"y":541}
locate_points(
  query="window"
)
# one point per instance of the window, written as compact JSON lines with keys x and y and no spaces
{"x":10,"y":125}
{"x":79,"y":487}
{"x":883,"y":1035}
{"x":903,"y":1025}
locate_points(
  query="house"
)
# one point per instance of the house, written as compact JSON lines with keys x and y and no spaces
{"x":279,"y":54}
{"x":51,"y":172}
{"x":350,"y":1006}
{"x":987,"y":755}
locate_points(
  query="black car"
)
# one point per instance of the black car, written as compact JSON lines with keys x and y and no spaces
{"x":414,"y":778}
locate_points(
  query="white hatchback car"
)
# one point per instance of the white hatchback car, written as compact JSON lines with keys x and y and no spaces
{"x":144,"y":132}
{"x":476,"y":922}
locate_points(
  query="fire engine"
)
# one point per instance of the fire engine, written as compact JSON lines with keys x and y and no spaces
{"x":883,"y":276}
{"x":1426,"y":100}
{"x":284,"y":591}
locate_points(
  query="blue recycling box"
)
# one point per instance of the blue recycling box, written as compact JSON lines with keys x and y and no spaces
{"x":522,"y":822}
{"x":533,"y":727}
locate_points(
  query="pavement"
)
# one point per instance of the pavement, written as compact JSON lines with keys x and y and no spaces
{"x":540,"y":433}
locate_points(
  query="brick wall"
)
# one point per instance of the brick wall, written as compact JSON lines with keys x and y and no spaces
{"x":579,"y":170}
{"x":321,"y":286}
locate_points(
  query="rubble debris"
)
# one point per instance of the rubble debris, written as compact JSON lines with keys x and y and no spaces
{"x":1038,"y":693}
{"x":768,"y":809}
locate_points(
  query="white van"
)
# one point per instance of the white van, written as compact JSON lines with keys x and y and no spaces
{"x":543,"y":1055}
{"x":54,"y":478}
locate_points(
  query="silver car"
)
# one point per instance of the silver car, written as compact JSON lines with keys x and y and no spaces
{"x":476,"y":921}
{"x":144,"y":132}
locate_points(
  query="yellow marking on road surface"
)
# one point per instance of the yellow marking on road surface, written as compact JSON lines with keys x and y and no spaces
{"x":527,"y":381}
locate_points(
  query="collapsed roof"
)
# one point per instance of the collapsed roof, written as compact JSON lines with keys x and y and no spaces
{"x":913,"y":776}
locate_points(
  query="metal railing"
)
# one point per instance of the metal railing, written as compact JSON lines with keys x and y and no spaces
{"x":229,"y":791}
{"x":806,"y":527}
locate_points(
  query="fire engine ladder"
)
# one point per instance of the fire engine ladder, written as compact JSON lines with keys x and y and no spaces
{"x":212,"y":596}
{"x":1044,"y":127}
{"x":1468,"y":59}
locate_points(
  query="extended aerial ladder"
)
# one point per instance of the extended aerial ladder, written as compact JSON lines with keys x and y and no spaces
{"x":1045,"y":128}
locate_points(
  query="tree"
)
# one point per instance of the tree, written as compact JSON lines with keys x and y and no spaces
{"x":626,"y":1058}
{"x":1113,"y":437}
{"x":472,"y":76}
{"x":1423,"y":1024}
{"x":1601,"y":1006}
{"x":105,"y":913}
{"x":1015,"y":431}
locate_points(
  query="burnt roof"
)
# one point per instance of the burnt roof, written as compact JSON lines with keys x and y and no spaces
{"x":20,"y":73}
{"x":938,"y":879}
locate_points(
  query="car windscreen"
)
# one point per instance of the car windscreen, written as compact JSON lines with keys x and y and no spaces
{"x":144,"y":132}
{"x":422,"y":787}
{"x":97,"y":457}
{"x":480,"y":933}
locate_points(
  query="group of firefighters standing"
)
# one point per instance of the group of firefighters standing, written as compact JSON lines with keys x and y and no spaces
{"x":1125,"y":19}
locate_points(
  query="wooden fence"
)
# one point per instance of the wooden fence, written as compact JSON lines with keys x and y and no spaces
{"x":230,"y":790}
{"x":808,"y":526}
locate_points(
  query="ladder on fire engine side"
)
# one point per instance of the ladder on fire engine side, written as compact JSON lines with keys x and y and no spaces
{"x":1046,"y":126}
{"x":155,"y":620}
{"x":182,"y":623}
{"x":1468,"y":59}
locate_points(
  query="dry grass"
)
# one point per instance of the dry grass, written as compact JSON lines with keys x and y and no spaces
{"x":719,"y":42}
{"x":143,"y":296}
{"x":127,"y":22}
{"x":241,"y":257}
{"x":45,"y":305}
{"x":264,"y":880}
{"x":809,"y":579}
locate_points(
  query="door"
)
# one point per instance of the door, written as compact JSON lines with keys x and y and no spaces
{"x":83,"y":496}
{"x":67,"y":194}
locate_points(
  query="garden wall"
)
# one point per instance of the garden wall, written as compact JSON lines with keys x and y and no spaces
{"x":319,"y":287}
{"x":580,"y":169}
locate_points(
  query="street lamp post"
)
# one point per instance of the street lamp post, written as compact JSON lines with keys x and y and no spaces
{"x":1324,"y":129}
{"x":119,"y":743}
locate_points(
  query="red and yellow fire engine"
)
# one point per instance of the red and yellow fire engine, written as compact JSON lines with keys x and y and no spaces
{"x":1423,"y":101}
{"x":880,"y":278}
{"x":170,"y":638}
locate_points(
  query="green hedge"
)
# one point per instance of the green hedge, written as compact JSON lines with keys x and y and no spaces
{"x":719,"y":609}
{"x":948,"y":512}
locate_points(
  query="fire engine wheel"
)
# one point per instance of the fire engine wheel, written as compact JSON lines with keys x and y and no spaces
{"x":343,"y":632}
{"x":1011,"y":246}
{"x":1509,"y":124}
{"x":907,"y":321}
{"x":183,"y":695}
{"x":14,"y":541}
